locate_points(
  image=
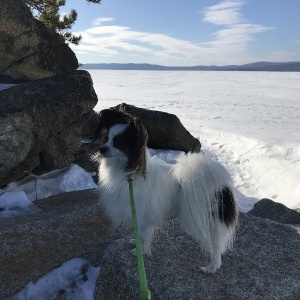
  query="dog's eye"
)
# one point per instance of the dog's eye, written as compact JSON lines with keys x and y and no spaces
{"x":119,"y":142}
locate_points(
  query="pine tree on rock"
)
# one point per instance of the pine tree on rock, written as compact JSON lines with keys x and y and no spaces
{"x":47,"y":11}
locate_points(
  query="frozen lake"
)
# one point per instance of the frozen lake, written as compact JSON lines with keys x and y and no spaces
{"x":264,"y":105}
{"x":250,"y":121}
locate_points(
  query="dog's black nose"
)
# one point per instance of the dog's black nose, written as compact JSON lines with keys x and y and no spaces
{"x":103,"y":149}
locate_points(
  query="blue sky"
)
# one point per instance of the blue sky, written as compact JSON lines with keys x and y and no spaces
{"x":187,"y":33}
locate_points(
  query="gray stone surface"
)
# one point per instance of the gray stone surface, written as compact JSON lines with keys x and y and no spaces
{"x":28,"y":49}
{"x":268,"y":209}
{"x":264,"y":264}
{"x":41,"y":123}
{"x":67,"y":225}
{"x":16,"y":136}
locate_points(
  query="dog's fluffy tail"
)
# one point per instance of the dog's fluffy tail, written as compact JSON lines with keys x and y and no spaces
{"x":207,"y":207}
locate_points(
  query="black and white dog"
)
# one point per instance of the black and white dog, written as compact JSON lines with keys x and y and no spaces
{"x":196,"y":189}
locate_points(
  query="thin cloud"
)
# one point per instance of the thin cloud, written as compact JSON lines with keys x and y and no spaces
{"x":240,"y":34}
{"x":100,"y":21}
{"x":103,"y":38}
{"x":224,"y":13}
{"x":115,"y":41}
{"x":236,"y":34}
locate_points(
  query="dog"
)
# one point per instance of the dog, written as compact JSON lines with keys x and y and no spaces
{"x":195,"y":189}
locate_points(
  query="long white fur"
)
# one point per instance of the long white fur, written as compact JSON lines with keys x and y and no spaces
{"x":200,"y":179}
{"x":187,"y":189}
{"x":152,"y":195}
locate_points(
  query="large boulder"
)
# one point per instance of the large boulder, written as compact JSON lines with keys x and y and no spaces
{"x":264,"y":264}
{"x":165,"y":130}
{"x":28,"y":49}
{"x":268,"y":209}
{"x":41,"y":123}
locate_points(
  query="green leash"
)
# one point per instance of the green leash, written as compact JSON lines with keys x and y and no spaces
{"x":144,"y":292}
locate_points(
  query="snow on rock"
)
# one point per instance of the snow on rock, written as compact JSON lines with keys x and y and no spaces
{"x":4,"y":86}
{"x":70,"y":178}
{"x":75,"y":279}
{"x":15,"y":203}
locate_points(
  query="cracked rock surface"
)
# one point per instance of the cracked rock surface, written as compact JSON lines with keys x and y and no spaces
{"x":41,"y":123}
{"x":28,"y":49}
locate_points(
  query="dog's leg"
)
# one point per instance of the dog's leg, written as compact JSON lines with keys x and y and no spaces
{"x":221,"y":240}
{"x":214,"y":264}
{"x":146,"y":238}
{"x":146,"y":234}
{"x":215,"y":256}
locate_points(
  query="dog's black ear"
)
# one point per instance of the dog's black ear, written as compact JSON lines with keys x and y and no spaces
{"x":108,"y":118}
{"x":100,"y":134}
{"x":138,"y":143}
{"x":101,"y":131}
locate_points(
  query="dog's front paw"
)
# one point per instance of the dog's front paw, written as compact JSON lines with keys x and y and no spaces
{"x":145,"y":253}
{"x":208,"y":270}
{"x":133,"y":252}
{"x":212,"y":267}
{"x":132,"y":242}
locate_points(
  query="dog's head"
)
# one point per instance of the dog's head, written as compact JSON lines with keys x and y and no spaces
{"x":125,"y":137}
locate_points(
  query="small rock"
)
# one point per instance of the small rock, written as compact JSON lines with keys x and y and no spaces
{"x":274,"y":211}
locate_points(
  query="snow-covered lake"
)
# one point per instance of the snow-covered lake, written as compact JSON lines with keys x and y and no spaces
{"x":249,"y":121}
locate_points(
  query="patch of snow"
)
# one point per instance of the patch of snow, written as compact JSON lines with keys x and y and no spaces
{"x":75,"y":279}
{"x":4,"y":86}
{"x":70,"y":178}
{"x":14,"y":204}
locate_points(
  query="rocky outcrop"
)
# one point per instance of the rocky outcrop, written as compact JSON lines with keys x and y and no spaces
{"x":263,"y":265}
{"x":165,"y":130}
{"x":28,"y":49}
{"x":41,"y":123}
{"x":268,"y":209}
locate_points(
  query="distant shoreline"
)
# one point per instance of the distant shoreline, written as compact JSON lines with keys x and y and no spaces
{"x":257,"y":66}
